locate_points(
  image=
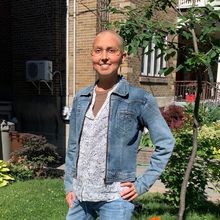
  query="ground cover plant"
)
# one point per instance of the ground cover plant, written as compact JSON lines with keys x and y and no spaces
{"x":45,"y":199}
{"x":5,"y":177}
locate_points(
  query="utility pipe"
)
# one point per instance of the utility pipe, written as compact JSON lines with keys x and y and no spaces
{"x":67,"y":53}
{"x":74,"y":47}
{"x":218,"y":71}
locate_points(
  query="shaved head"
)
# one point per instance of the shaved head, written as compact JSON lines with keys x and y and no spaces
{"x":119,"y":38}
{"x":109,"y":46}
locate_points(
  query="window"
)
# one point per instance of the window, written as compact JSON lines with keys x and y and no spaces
{"x":151,"y":63}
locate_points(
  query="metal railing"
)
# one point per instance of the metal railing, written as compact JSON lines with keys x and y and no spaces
{"x":198,"y":3}
{"x":186,"y":91}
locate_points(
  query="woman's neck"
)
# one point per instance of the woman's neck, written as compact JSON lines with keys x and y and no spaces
{"x":106,"y":84}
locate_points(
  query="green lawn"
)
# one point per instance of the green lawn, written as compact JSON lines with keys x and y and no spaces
{"x":153,"y":204}
{"x":45,"y":200}
{"x":35,"y":199}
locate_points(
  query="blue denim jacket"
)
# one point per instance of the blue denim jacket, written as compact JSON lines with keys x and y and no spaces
{"x":131,"y":109}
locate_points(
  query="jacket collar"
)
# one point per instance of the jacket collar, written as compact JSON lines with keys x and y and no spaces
{"x":122,"y":88}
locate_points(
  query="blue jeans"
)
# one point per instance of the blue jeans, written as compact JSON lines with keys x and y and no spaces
{"x":115,"y":210}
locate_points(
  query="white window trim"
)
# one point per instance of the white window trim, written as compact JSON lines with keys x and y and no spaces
{"x":151,"y":65}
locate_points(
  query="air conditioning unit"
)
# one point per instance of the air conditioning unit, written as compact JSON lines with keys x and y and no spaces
{"x":37,"y":70}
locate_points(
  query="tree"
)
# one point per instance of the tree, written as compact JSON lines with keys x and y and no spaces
{"x":140,"y":26}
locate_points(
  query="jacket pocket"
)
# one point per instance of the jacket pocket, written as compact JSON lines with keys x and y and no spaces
{"x":126,"y":121}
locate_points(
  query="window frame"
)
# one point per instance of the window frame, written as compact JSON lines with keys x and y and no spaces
{"x":151,"y":64}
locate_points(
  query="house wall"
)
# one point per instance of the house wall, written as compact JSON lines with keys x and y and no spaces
{"x":86,"y":27}
{"x":162,"y":90}
{"x":5,"y":55}
{"x":36,"y":30}
{"x":86,"y":31}
{"x":38,"y":33}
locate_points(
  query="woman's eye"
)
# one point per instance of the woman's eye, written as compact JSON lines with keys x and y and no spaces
{"x":97,"y":50}
{"x":112,"y":51}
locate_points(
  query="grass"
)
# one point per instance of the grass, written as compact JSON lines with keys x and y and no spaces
{"x":45,"y":200}
{"x":153,"y":204}
{"x":33,"y":200}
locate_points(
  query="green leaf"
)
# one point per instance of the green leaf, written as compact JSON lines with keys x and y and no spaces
{"x":4,"y":169}
{"x":186,"y":34}
{"x":7,"y":177}
{"x":179,"y":67}
{"x":166,"y":71}
{"x":170,"y":55}
{"x":3,"y":183}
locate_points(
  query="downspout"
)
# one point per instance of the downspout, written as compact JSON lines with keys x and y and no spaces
{"x":218,"y":70}
{"x":66,"y":108}
{"x":67,"y":53}
{"x":74,"y":48}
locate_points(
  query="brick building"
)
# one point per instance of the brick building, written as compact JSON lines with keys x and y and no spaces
{"x":61,"y":32}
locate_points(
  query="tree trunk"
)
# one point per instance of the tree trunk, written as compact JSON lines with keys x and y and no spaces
{"x":195,"y":138}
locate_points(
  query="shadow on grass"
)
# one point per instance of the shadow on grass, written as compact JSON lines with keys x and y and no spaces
{"x":208,"y":207}
{"x":152,"y":204}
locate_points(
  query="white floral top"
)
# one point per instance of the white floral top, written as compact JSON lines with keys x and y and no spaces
{"x":89,"y":185}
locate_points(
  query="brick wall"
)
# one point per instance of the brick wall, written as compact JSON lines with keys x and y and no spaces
{"x":38,"y":30}
{"x":86,"y":28}
{"x":5,"y":55}
{"x":35,"y":30}
{"x":38,"y":33}
{"x":85,"y":31}
{"x":131,"y":68}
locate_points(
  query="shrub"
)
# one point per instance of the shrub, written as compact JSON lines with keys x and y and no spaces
{"x":21,"y":171}
{"x":213,"y":112}
{"x":204,"y":170}
{"x":209,"y":139}
{"x":146,"y":141}
{"x":5,"y":178}
{"x":33,"y":159}
{"x":174,"y":116}
{"x":208,"y":113}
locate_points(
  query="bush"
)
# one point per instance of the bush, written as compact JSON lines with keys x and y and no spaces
{"x":205,"y":168}
{"x":146,"y":141}
{"x":213,"y":112}
{"x":5,"y":178}
{"x":21,"y":172}
{"x":208,"y":113}
{"x":174,"y":116}
{"x":209,"y":140}
{"x":33,"y":159}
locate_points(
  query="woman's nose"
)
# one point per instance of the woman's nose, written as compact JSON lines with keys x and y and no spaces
{"x":104,"y":55}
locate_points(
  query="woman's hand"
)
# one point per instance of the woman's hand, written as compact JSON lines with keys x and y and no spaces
{"x":70,"y":197}
{"x":130,"y":192}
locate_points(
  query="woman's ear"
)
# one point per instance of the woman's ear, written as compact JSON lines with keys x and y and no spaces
{"x":123,"y":56}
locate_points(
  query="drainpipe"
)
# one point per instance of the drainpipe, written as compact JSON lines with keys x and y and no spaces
{"x":66,"y":108}
{"x":67,"y":53}
{"x":218,"y":70}
{"x":74,"y":47}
